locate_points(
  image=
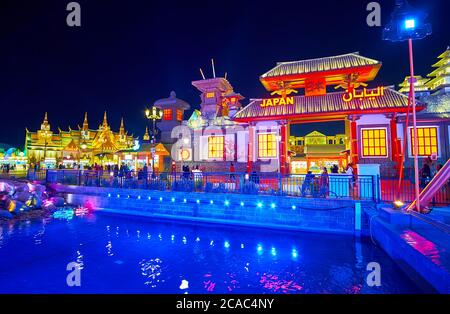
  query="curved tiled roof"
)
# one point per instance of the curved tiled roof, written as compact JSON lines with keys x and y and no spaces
{"x":345,"y":61}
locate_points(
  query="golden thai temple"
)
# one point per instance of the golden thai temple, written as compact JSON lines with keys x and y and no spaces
{"x":83,"y":146}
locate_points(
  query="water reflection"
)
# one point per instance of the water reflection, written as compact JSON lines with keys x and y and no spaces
{"x":164,"y":257}
{"x":151,"y":270}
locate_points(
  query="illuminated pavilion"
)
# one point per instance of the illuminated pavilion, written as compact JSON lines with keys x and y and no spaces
{"x":325,"y":89}
{"x":82,"y":146}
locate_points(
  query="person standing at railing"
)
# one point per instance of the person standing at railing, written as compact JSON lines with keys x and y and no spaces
{"x":197,"y":173}
{"x":232,"y":171}
{"x":335,"y":169}
{"x":324,"y":183}
{"x":425,"y":174}
{"x":308,"y":184}
{"x":349,"y":172}
{"x":145,"y":174}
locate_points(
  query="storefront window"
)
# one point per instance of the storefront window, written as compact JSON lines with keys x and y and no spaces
{"x":179,"y":115}
{"x":427,"y":141}
{"x":167,"y":114}
{"x":215,"y":146}
{"x":267,"y":145}
{"x":374,"y":143}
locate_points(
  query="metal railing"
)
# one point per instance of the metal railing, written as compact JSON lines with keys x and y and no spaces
{"x":390,"y":192}
{"x":338,"y":186}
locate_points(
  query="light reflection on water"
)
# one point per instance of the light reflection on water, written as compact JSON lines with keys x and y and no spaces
{"x":120,"y":254}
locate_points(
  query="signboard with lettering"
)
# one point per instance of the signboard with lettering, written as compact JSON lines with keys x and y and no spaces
{"x":281,"y":101}
{"x":362,"y":94}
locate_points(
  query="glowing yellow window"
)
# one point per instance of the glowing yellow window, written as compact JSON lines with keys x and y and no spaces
{"x":179,"y":115}
{"x":167,"y":114}
{"x":216,"y":147}
{"x":210,"y":95}
{"x":427,"y":142}
{"x":267,"y":145}
{"x":374,"y":143}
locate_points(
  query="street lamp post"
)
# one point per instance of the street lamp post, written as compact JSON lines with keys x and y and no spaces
{"x":409,"y":24}
{"x":154,"y":114}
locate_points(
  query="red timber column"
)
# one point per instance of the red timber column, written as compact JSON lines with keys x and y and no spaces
{"x":283,"y":147}
{"x":354,"y":142}
{"x":250,"y":145}
{"x":394,"y":141}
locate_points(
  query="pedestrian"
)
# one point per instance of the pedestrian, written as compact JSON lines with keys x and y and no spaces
{"x":324,"y":183}
{"x":232,"y":171}
{"x":307,"y":185}
{"x":425,"y":174}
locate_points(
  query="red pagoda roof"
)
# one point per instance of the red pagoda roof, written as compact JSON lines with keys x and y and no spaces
{"x":324,"y":106}
{"x":334,"y":69}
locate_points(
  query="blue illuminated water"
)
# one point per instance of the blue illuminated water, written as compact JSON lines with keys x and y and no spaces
{"x":123,"y":254}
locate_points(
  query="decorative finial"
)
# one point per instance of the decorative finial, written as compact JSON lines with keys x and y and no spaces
{"x":203,"y":75}
{"x":122,"y":128}
{"x":85,"y":122}
{"x":105,"y":120}
{"x":213,"y":68}
{"x":146,"y":136}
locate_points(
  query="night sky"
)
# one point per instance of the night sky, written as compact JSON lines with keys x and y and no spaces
{"x":127,"y":54}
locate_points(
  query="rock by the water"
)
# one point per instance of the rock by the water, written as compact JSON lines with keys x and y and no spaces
{"x":58,"y":201}
{"x":5,"y":214}
{"x":22,"y":196}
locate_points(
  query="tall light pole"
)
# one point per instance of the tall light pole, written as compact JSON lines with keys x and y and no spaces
{"x":408,"y":23}
{"x":154,"y":114}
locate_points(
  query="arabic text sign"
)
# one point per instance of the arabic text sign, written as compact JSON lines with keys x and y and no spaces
{"x":362,"y":94}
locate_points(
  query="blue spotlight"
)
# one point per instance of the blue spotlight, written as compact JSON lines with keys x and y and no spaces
{"x":226,"y":244}
{"x":273,"y":251}
{"x":259,"y":248}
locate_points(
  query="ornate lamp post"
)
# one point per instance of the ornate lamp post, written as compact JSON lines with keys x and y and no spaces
{"x":408,"y":23}
{"x":154,"y":114}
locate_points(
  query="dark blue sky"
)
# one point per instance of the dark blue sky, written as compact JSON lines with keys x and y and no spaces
{"x":128,"y":54}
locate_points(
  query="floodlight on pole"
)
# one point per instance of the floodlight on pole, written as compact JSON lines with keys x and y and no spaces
{"x":408,"y":23}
